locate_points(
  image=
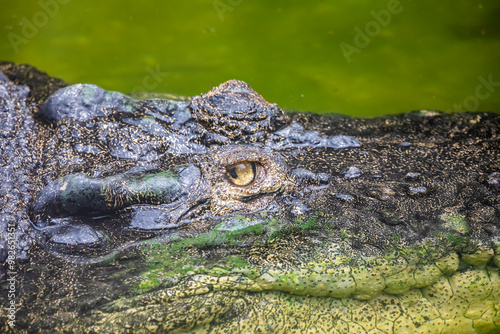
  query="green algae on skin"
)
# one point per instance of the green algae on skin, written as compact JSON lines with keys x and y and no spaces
{"x":398,"y":271}
{"x":330,"y":273}
{"x":455,"y":222}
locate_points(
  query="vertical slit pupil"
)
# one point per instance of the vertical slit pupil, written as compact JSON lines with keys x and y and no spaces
{"x":232,"y":173}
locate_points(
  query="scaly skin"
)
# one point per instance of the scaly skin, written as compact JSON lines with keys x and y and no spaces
{"x":465,"y":302}
{"x":400,"y":234}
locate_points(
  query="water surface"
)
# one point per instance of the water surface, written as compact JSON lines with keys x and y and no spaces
{"x":423,"y":55}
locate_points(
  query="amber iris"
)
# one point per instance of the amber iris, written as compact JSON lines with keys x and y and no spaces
{"x":242,"y":173}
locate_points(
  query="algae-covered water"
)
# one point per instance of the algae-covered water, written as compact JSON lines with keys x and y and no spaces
{"x":361,"y":58}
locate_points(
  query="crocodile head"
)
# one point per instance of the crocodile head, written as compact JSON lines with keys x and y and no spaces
{"x":149,"y":220}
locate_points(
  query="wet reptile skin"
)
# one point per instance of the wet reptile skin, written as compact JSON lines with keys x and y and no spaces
{"x":227,"y":215}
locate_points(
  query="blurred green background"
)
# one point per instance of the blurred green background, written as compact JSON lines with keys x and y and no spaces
{"x":361,"y":58}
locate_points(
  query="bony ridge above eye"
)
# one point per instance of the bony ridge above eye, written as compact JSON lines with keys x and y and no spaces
{"x":242,"y":173}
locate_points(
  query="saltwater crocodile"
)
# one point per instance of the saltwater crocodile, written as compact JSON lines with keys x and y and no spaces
{"x":222,"y":213}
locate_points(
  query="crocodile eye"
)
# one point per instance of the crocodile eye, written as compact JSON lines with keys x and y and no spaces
{"x":242,"y":173}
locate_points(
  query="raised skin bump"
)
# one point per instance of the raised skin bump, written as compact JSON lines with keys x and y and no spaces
{"x":78,"y":194}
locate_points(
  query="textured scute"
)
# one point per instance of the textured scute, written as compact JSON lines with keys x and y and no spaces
{"x":82,"y":102}
{"x":21,"y":142}
{"x":18,"y":154}
{"x":234,"y":110}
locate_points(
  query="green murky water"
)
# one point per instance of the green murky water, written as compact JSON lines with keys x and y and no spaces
{"x":360,"y":58}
